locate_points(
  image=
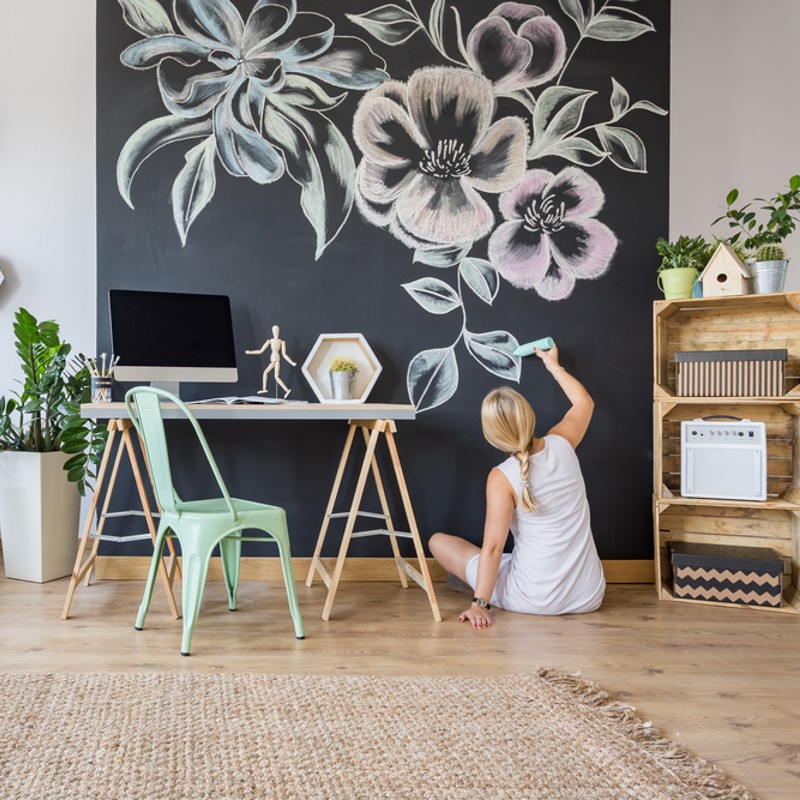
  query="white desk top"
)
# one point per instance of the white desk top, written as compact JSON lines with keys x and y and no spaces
{"x":271,"y":411}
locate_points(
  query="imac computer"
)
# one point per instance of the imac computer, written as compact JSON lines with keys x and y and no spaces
{"x":169,"y":338}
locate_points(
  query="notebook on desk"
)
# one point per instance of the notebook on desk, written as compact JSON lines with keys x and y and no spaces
{"x":242,"y":401}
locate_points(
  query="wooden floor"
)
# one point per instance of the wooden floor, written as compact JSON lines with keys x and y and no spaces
{"x":724,"y":682}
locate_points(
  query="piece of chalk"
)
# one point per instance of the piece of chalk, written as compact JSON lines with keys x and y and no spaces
{"x":540,"y":344}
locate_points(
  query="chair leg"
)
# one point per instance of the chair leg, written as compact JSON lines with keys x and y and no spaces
{"x":230,"y":550}
{"x":196,"y":556}
{"x":158,"y":548}
{"x":288,"y":579}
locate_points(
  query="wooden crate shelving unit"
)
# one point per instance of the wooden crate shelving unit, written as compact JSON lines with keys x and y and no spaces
{"x":766,"y":321}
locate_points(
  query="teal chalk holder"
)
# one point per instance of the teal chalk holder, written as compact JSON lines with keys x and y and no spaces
{"x":540,"y":344}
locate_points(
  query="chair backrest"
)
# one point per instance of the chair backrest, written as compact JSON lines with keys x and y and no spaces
{"x":144,"y":407}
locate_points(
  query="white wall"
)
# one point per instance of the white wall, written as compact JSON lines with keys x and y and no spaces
{"x":47,"y":171}
{"x":735,"y":114}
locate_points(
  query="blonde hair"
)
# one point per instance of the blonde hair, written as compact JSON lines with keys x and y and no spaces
{"x":508,"y":422}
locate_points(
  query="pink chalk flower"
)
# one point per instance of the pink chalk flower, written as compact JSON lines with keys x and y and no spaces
{"x":550,"y":238}
{"x":517,"y":46}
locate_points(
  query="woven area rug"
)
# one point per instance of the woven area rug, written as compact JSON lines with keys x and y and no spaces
{"x":241,"y":737}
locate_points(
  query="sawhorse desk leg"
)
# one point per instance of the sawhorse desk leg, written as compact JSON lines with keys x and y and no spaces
{"x":422,"y":576}
{"x":85,"y":564}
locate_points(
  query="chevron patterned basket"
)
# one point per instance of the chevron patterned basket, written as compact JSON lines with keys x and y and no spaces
{"x":740,"y":575}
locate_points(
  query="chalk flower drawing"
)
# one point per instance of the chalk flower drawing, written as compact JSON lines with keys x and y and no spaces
{"x":550,"y":238}
{"x":439,"y":152}
{"x":429,"y":150}
{"x":249,"y":91}
{"x":517,"y":46}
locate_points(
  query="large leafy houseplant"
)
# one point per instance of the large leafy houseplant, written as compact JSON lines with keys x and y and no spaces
{"x":778,"y":219}
{"x":44,"y":416}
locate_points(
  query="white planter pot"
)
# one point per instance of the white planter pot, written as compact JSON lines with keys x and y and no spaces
{"x":39,"y":516}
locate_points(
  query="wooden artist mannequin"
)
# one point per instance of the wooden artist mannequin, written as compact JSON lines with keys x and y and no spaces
{"x":277,"y":352}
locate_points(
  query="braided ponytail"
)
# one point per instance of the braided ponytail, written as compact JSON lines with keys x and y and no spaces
{"x":508,"y":423}
{"x":528,"y":503}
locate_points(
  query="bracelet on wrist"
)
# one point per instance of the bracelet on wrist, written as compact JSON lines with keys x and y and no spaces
{"x":555,"y":372}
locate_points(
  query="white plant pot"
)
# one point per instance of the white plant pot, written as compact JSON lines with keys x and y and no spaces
{"x":39,"y":516}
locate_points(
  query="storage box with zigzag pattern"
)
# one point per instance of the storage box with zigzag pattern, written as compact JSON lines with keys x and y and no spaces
{"x":739,"y":575}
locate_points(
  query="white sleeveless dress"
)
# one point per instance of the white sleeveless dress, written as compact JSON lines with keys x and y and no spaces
{"x":554,"y":567}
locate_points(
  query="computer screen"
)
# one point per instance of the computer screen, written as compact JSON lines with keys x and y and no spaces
{"x":171,"y":337}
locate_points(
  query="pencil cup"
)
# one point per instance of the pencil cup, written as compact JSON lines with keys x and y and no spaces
{"x":101,"y":388}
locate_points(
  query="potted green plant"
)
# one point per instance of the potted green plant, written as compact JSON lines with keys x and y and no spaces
{"x":681,"y":262}
{"x":761,"y":232}
{"x":343,"y":373}
{"x":47,"y":454}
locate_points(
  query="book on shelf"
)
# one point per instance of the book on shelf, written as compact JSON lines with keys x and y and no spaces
{"x":255,"y":399}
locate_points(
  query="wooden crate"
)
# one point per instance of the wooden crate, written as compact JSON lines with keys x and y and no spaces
{"x":748,"y":322}
{"x":767,"y":527}
{"x":727,"y":574}
{"x":782,"y":425}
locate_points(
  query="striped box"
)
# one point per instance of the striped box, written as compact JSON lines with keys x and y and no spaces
{"x":748,"y":576}
{"x":731,"y":373}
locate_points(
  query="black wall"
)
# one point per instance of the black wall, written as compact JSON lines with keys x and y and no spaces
{"x":253,"y":243}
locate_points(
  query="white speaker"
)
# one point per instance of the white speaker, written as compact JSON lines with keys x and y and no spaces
{"x":724,"y":460}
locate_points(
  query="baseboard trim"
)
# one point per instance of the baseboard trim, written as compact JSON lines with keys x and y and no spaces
{"x":630,"y":570}
{"x":122,"y":568}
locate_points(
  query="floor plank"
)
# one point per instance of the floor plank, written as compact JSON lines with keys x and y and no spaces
{"x":722,"y":682}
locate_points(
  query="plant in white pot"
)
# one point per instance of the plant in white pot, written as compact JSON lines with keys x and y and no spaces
{"x":47,"y":454}
{"x":762,"y":234}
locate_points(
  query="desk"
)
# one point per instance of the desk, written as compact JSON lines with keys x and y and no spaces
{"x":375,"y":420}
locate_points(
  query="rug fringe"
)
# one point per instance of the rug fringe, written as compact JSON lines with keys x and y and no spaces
{"x":704,"y":780}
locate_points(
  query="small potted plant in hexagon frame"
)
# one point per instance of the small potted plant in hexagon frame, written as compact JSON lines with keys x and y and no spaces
{"x":342,"y":372}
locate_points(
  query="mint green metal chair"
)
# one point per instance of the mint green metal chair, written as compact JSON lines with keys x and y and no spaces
{"x":201,"y":525}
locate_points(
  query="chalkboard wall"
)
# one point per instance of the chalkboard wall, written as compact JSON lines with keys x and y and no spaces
{"x":446,"y":179}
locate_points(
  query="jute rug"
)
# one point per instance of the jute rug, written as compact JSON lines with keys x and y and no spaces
{"x":241,"y":737}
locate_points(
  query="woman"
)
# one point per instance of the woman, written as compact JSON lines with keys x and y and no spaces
{"x":539,"y":494}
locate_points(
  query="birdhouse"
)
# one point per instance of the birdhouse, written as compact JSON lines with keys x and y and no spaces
{"x":725,"y":274}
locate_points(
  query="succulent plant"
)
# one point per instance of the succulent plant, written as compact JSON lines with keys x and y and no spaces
{"x":770,"y":252}
{"x":343,"y":365}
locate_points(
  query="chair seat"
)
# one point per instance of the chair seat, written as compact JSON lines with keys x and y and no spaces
{"x":248,"y":511}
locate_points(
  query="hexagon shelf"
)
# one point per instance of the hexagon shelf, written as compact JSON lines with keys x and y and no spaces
{"x":341,"y":345}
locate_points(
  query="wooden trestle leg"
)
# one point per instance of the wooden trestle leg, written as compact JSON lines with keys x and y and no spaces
{"x":85,"y":564}
{"x":422,"y":577}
